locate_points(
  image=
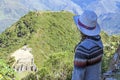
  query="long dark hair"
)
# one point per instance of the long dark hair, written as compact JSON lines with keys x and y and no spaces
{"x":83,"y":37}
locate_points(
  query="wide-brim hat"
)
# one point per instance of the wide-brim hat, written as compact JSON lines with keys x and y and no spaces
{"x":87,"y":23}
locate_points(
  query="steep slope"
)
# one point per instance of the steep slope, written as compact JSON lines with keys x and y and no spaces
{"x":12,"y":10}
{"x":45,"y":32}
{"x":52,"y":37}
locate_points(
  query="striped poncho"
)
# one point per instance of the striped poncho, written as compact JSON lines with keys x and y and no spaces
{"x":88,"y":52}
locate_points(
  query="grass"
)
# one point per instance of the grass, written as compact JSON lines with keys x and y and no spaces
{"x":20,"y":75}
{"x":48,"y":33}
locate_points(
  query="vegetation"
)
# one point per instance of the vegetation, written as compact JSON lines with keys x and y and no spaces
{"x":110,"y":45}
{"x":6,"y":73}
{"x":52,"y":37}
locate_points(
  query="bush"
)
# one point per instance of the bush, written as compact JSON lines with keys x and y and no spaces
{"x":6,"y":73}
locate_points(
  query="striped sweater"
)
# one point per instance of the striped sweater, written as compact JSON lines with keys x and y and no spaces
{"x":88,"y":52}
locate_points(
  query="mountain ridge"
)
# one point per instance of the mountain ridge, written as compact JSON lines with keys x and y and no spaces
{"x":10,"y":9}
{"x":52,"y":37}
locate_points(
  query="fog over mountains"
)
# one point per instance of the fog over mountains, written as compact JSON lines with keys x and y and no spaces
{"x":107,"y":11}
{"x":12,"y":10}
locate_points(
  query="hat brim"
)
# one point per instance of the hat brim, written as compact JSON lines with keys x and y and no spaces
{"x":85,"y":31}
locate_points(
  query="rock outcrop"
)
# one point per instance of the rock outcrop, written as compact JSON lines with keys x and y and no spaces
{"x":24,"y":60}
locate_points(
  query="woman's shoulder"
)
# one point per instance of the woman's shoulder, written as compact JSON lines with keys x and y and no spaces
{"x":87,"y":44}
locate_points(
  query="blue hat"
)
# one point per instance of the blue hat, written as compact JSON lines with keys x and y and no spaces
{"x":87,"y":23}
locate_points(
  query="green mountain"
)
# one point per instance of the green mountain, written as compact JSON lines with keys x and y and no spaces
{"x":52,"y":37}
{"x":45,"y":32}
{"x":12,"y":10}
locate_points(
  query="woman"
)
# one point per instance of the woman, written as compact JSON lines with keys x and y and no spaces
{"x":88,"y":53}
